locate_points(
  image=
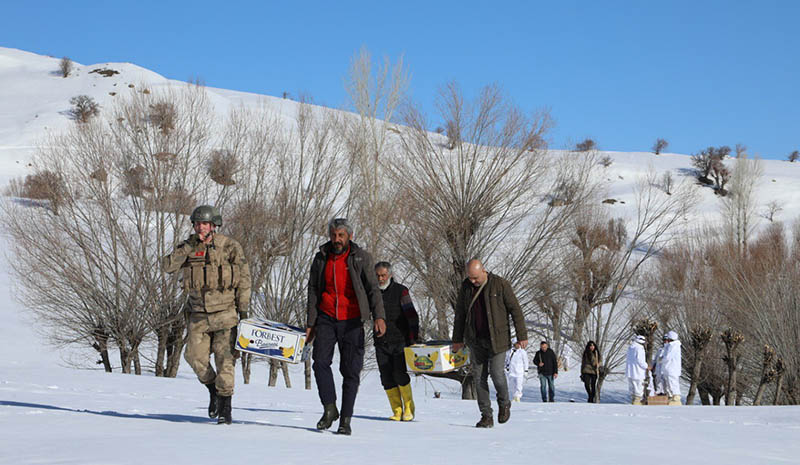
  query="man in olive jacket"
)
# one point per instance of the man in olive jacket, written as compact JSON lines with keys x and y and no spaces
{"x":484,"y":304}
{"x":216,"y":280}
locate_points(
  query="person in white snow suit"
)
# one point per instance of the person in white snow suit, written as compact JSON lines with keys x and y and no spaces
{"x":636,"y":369}
{"x":516,"y":370}
{"x":671,"y":370}
{"x":656,"y":367}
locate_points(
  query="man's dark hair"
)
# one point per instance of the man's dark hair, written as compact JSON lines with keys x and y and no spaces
{"x":544,"y":342}
{"x":385,"y":265}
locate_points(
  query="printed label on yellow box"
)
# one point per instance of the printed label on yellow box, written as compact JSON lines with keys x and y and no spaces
{"x":271,"y":339}
{"x":434,"y":358}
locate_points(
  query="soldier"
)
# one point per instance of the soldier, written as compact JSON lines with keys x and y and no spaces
{"x":216,"y":279}
{"x":402,"y":329}
{"x":342,"y":294}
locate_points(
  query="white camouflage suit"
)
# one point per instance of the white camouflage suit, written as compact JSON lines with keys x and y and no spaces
{"x":516,"y":369}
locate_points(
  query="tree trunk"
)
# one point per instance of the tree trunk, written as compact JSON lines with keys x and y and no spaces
{"x":696,"y":370}
{"x":175,"y":342}
{"x":704,"y":395}
{"x":246,"y":360}
{"x":600,"y":379}
{"x":762,"y":387}
{"x":716,"y":397}
{"x":137,"y":363}
{"x":101,"y":346}
{"x":778,"y":389}
{"x":582,"y":312}
{"x":161,"y":350}
{"x":273,"y":372}
{"x":125,"y":359}
{"x":730,"y":390}
{"x":307,"y":372}
{"x":286,"y":379}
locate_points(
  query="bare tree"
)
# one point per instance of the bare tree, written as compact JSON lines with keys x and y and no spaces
{"x":667,"y":182}
{"x":768,"y":373}
{"x":65,"y":66}
{"x":114,"y":226}
{"x":773,"y":208}
{"x":657,"y":217}
{"x":740,"y":150}
{"x":586,"y":145}
{"x":659,"y":146}
{"x":739,"y":208}
{"x":83,"y":108}
{"x":704,"y":161}
{"x":464,"y":202}
{"x":376,"y":92}
{"x":732,"y":339}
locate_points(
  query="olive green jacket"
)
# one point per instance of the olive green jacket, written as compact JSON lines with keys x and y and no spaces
{"x":215,"y":277}
{"x":501,"y":303}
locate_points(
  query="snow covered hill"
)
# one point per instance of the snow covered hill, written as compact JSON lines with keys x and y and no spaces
{"x":51,"y":413}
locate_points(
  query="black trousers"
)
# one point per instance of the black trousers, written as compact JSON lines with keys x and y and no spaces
{"x":348,"y":335}
{"x":392,"y":364}
{"x":590,"y":383}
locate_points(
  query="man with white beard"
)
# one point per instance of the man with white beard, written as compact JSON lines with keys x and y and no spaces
{"x":671,"y":370}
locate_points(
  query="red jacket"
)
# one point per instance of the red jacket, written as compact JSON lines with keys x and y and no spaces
{"x":339,"y":298}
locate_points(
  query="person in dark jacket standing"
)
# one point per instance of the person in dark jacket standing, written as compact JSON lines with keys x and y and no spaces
{"x":485,"y":303}
{"x":342,"y":294}
{"x":547,"y":366}
{"x":402,"y":329}
{"x":590,"y":369}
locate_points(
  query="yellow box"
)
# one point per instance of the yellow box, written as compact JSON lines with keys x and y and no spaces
{"x":435,"y":358}
{"x":272,"y":339}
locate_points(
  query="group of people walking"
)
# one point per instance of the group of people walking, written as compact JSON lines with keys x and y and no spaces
{"x":345,"y":291}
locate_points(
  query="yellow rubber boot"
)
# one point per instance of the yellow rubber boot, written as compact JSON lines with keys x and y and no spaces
{"x":396,"y":402}
{"x":636,"y":400}
{"x":675,"y":400}
{"x":408,"y":402}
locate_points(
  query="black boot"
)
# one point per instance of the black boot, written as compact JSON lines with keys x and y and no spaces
{"x":486,"y":422}
{"x":504,"y":413}
{"x":330,"y":415}
{"x":224,"y":410}
{"x":344,"y":426}
{"x":212,"y":402}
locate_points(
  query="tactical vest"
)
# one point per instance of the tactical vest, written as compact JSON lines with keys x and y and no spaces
{"x":209,"y":278}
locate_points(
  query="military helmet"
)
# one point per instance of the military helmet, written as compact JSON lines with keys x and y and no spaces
{"x":206,"y":213}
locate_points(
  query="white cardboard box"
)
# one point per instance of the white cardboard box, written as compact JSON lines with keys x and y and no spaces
{"x":435,"y":358}
{"x":272,"y":339}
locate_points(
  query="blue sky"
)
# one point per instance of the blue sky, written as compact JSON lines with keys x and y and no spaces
{"x":697,"y":73}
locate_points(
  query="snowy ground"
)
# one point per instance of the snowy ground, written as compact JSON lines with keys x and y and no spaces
{"x":50,"y":413}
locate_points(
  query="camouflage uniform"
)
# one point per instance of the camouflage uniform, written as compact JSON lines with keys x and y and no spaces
{"x":216,"y":279}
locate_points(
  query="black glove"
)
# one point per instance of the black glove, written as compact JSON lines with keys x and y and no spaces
{"x":193,"y":240}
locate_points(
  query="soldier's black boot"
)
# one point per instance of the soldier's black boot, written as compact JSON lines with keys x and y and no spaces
{"x":224,"y":410}
{"x":344,"y":426}
{"x":330,"y":415}
{"x":212,"y":402}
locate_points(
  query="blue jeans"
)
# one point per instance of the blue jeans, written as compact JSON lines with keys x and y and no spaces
{"x":547,"y":388}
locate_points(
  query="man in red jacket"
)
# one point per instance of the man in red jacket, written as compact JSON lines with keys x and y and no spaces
{"x":343,"y":293}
